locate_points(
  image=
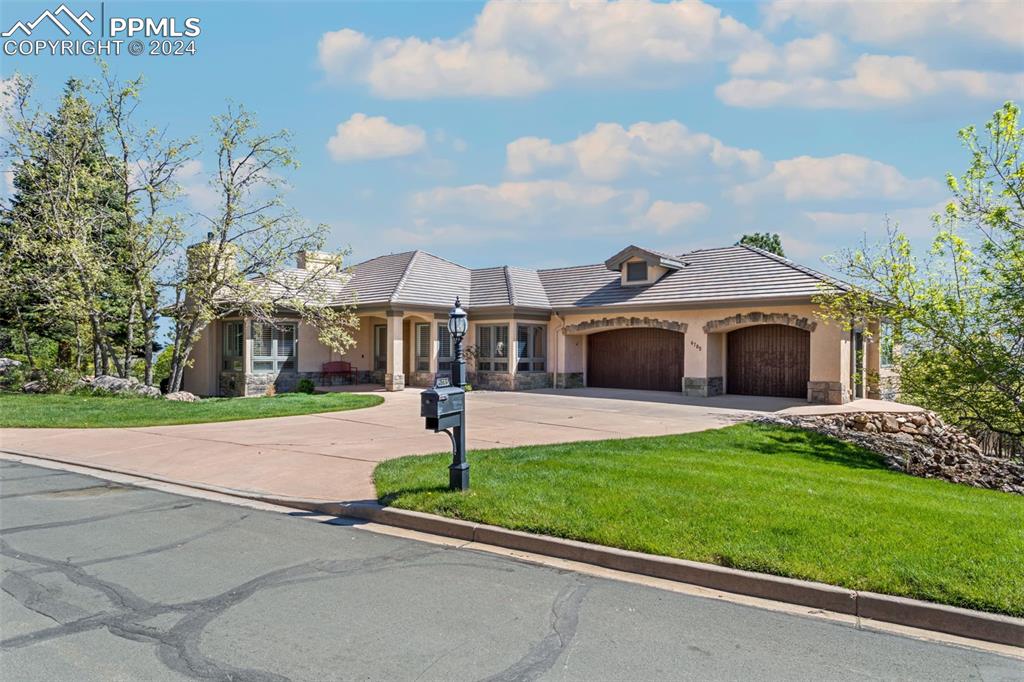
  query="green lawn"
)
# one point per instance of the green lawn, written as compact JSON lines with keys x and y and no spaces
{"x":756,"y":497}
{"x":50,"y":410}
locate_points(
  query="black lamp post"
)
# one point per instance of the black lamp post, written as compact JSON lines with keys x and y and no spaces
{"x":458,"y":472}
{"x":458,"y":324}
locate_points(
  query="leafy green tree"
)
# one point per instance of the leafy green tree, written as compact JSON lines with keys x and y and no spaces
{"x":241,"y":265}
{"x":62,"y":233}
{"x":958,"y":307}
{"x":144,"y":163}
{"x":766,"y":241}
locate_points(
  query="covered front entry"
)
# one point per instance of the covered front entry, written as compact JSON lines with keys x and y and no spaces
{"x":639,"y":358}
{"x":769,"y":360}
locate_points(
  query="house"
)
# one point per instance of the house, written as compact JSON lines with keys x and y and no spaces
{"x":722,"y":320}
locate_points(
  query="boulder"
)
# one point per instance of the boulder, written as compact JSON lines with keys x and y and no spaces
{"x":182,"y":396}
{"x":130,"y":385}
{"x":34,"y":387}
{"x":8,"y":363}
{"x":890,"y":424}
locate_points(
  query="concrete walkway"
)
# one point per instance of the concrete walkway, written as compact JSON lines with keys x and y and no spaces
{"x":331,"y":456}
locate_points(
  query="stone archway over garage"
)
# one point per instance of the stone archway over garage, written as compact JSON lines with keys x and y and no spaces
{"x":747,"y":319}
{"x":609,"y":323}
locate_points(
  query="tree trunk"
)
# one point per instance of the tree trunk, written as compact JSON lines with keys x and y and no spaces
{"x":78,"y":349}
{"x":26,"y":343}
{"x":129,"y":342}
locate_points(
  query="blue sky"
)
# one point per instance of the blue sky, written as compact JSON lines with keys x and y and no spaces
{"x":549,"y":134}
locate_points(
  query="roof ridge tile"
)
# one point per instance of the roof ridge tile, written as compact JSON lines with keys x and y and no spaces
{"x":405,"y":275}
{"x":508,"y":286}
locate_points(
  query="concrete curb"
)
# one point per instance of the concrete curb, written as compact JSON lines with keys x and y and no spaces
{"x":951,"y":620}
{"x":989,"y":627}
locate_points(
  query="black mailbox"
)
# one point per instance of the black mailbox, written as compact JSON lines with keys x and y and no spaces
{"x":442,"y":406}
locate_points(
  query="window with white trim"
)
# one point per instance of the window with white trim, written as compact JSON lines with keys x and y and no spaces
{"x":530,"y":341}
{"x":492,"y":347}
{"x":232,"y":346}
{"x":445,"y":352}
{"x":273,"y":346}
{"x":422,"y":347}
{"x":887,"y":345}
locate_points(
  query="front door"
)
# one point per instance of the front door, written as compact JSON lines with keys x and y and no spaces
{"x":380,"y":347}
{"x":858,"y":364}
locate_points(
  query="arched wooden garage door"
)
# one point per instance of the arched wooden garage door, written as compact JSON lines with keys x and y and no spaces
{"x":647,"y":359}
{"x":768,"y":359}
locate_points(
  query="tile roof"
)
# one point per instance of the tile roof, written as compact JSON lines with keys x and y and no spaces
{"x":711,"y":275}
{"x":489,"y":288}
{"x":716,"y":275}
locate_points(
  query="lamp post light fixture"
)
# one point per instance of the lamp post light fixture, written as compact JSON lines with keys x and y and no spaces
{"x":458,"y":325}
{"x":458,"y":472}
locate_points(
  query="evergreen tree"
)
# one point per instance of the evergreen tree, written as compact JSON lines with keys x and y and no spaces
{"x":770,"y":242}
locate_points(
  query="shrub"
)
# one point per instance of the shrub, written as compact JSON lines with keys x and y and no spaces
{"x":305,"y":386}
{"x":57,"y":380}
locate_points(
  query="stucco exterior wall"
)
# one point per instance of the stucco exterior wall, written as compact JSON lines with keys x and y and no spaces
{"x":360,"y":356}
{"x":201,"y":376}
{"x":705,"y":360}
{"x":312,"y":353}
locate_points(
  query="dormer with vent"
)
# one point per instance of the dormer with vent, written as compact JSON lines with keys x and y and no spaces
{"x":641,"y":267}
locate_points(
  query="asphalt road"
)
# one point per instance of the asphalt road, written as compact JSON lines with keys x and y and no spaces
{"x":105,"y":581}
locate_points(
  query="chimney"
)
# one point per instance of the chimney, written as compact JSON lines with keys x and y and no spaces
{"x":315,"y":260}
{"x":202,"y":254}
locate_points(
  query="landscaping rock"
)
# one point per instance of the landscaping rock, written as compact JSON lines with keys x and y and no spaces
{"x":34,"y":387}
{"x":919,"y":444}
{"x":8,"y":364}
{"x":132,"y":385}
{"x":182,"y":396}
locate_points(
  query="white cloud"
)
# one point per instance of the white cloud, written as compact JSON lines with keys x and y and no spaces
{"x":876,"y":80}
{"x":526,"y":201}
{"x":845,"y":176}
{"x":667,"y":216}
{"x":798,"y":57}
{"x":914,"y":221}
{"x":894,"y":24}
{"x":523,"y":48}
{"x":543,"y":208}
{"x":610,"y":151}
{"x":195,"y":185}
{"x":364,"y":137}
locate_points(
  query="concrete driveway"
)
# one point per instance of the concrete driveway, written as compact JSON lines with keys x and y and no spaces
{"x":331,"y":456}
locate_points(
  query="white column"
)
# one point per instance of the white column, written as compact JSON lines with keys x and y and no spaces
{"x":394,"y":379}
{"x":513,"y":353}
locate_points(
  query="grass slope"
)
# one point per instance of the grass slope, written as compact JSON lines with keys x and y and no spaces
{"x":756,"y":497}
{"x":107,"y":411}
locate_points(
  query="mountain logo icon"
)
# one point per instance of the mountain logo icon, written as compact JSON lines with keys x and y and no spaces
{"x":77,"y":20}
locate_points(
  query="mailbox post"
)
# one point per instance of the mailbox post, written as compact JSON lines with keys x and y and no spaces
{"x":458,"y":472}
{"x":444,"y":405}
